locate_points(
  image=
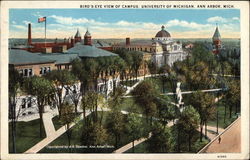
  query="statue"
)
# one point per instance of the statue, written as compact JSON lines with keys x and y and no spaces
{"x":178,"y":93}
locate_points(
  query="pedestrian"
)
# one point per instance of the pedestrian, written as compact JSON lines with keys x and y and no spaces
{"x":219,"y":139}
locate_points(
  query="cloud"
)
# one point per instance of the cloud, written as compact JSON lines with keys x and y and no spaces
{"x":217,"y":19}
{"x":27,"y":22}
{"x":13,"y":22}
{"x":186,"y":24}
{"x":61,"y":27}
{"x":236,"y":18}
{"x":72,"y":21}
{"x":37,"y":14}
{"x":19,"y":26}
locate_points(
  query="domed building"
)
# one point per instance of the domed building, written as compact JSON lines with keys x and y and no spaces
{"x":162,"y":49}
{"x":165,"y":50}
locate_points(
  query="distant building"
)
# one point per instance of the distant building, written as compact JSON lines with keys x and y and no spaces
{"x":59,"y":46}
{"x":162,"y":48}
{"x":217,"y":46}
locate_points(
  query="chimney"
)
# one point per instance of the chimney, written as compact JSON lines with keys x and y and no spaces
{"x":127,"y":41}
{"x":29,"y":34}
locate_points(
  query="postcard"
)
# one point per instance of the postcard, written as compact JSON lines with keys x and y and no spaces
{"x":124,"y":80}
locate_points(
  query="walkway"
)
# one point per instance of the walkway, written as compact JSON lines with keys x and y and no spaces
{"x":130,"y":145}
{"x":48,"y":124}
{"x":50,"y":136}
{"x":230,"y":140}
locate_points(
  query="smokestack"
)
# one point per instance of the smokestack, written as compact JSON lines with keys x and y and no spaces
{"x":29,"y":34}
{"x":127,"y":41}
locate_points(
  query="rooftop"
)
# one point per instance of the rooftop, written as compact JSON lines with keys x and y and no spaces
{"x":60,"y":58}
{"x":89,"y":51}
{"x":19,"y":57}
{"x":163,"y":33}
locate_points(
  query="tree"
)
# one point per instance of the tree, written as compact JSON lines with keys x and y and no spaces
{"x":134,"y":127}
{"x":94,"y":135}
{"x":145,"y":95}
{"x":159,"y":142}
{"x":204,"y":104}
{"x":79,"y":70}
{"x":137,"y":61}
{"x":233,"y":96}
{"x":189,"y":122}
{"x":166,"y":110}
{"x":164,"y":70}
{"x":67,"y":118}
{"x":90,"y":101}
{"x":61,"y":79}
{"x":15,"y":81}
{"x":115,"y":120}
{"x":40,"y":88}
{"x":115,"y":125}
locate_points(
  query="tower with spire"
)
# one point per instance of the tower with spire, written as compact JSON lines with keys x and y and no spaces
{"x":87,"y":38}
{"x":78,"y":37}
{"x":216,"y":41}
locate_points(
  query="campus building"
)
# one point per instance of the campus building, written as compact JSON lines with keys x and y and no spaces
{"x":217,"y":46}
{"x":37,"y":59}
{"x":162,"y":49}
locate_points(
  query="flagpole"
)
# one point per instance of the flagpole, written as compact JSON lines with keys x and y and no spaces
{"x":45,"y":34}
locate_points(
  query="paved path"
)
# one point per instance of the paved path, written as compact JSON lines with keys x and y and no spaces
{"x":230,"y":140}
{"x":48,"y":124}
{"x":50,"y":137}
{"x":130,"y":145}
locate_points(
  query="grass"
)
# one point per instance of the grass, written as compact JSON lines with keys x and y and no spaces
{"x":56,"y":122}
{"x":62,"y":141}
{"x":27,"y":135}
{"x":195,"y":147}
{"x":221,"y":123}
{"x":130,"y":105}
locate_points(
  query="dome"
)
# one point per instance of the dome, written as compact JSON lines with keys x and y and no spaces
{"x":163,"y":33}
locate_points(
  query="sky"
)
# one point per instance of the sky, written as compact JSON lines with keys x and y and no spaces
{"x":122,"y":23}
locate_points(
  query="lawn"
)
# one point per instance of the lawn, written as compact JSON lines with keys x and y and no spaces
{"x":130,"y":105}
{"x":27,"y":135}
{"x":56,"y":122}
{"x":60,"y":144}
{"x":222,"y":124}
{"x":195,"y":147}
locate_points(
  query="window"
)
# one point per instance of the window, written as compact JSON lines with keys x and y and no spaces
{"x":29,"y":112}
{"x":30,"y":72}
{"x":25,"y":72}
{"x":66,"y":66}
{"x":21,"y":72}
{"x":49,"y":69}
{"x":24,"y":114}
{"x":44,"y":70}
{"x":23,"y":103}
{"x":175,"y":47}
{"x":29,"y":102}
{"x":41,"y":70}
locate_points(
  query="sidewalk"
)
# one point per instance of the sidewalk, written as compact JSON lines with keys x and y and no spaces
{"x":50,"y":136}
{"x":230,"y":140}
{"x":48,"y":124}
